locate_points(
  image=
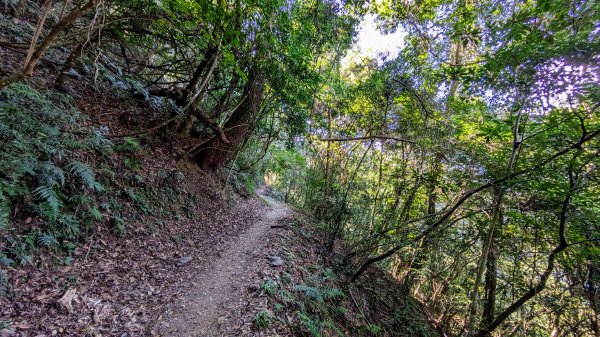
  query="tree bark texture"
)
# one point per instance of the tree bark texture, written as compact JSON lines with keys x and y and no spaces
{"x":215,"y":153}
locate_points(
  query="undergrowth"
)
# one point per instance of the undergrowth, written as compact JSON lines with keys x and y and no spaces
{"x":306,"y":296}
{"x":45,"y":164}
{"x":61,"y":181}
{"x":313,"y":299}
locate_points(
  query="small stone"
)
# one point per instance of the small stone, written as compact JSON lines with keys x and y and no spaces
{"x":275,"y":261}
{"x":254,"y":288}
{"x":183,"y":261}
{"x":7,"y":332}
{"x":221,"y":320}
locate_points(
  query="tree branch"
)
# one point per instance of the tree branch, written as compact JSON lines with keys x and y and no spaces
{"x":367,"y":137}
{"x":584,"y":139}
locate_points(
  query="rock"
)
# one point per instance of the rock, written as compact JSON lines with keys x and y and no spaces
{"x":275,"y":261}
{"x":183,"y":261}
{"x":221,"y":320}
{"x":7,"y":332}
{"x":254,"y":287}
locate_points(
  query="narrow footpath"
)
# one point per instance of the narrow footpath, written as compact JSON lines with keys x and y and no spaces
{"x":209,"y":306}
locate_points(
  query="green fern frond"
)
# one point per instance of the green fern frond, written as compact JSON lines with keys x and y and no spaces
{"x":47,"y":240}
{"x":69,"y":225}
{"x":49,"y":130}
{"x":4,"y":209}
{"x":312,"y":325}
{"x":49,"y":195}
{"x":80,"y":199}
{"x":51,"y":174}
{"x":332,"y":293}
{"x":98,"y":187}
{"x":84,"y":172}
{"x":310,"y":292}
{"x":95,"y":213}
{"x":27,"y":165}
{"x":58,"y":154}
{"x":140,"y":88}
{"x":129,"y":145}
{"x":132,"y":195}
{"x":99,"y":142}
{"x":46,"y":211}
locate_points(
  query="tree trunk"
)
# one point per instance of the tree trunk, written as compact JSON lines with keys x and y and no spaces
{"x":490,"y":284}
{"x":214,"y":154}
{"x":61,"y":79}
{"x":488,"y":261}
{"x":541,"y":285}
{"x":585,"y":138}
{"x":594,"y":314}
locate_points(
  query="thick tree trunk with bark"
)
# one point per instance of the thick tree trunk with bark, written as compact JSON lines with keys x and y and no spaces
{"x":215,"y":153}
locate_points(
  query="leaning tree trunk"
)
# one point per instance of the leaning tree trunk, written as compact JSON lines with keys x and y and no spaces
{"x":215,"y":153}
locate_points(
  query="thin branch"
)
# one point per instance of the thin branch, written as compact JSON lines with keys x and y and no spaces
{"x":367,"y":137}
{"x":584,"y":139}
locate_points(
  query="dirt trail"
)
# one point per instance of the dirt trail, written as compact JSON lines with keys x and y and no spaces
{"x":219,"y":289}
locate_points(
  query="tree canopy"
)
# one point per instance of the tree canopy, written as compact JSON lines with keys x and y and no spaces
{"x":465,"y":165}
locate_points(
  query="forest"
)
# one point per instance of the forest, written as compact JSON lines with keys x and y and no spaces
{"x":462,"y":165}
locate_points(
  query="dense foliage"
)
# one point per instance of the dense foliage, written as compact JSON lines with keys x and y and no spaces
{"x":466,"y":165}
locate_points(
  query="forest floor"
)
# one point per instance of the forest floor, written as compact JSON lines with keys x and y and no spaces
{"x":213,"y":303}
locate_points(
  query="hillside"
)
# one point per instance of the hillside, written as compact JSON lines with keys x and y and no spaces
{"x":299,"y":168}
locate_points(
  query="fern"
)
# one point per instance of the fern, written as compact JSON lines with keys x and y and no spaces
{"x":262,"y":319}
{"x":45,"y":211}
{"x":47,"y":240}
{"x":269,"y":286}
{"x":99,"y":142}
{"x":80,"y":199}
{"x":132,"y":164}
{"x":310,"y":292}
{"x":133,"y":196}
{"x":98,"y":187}
{"x":319,"y":294}
{"x":139,"y":88}
{"x":49,"y":195}
{"x":51,"y":174}
{"x":129,"y":145}
{"x":119,"y":226}
{"x":4,"y":209}
{"x":332,"y":293}
{"x":84,"y":172}
{"x":312,"y":325}
{"x":39,"y":161}
{"x":95,"y":213}
{"x":69,"y":225}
